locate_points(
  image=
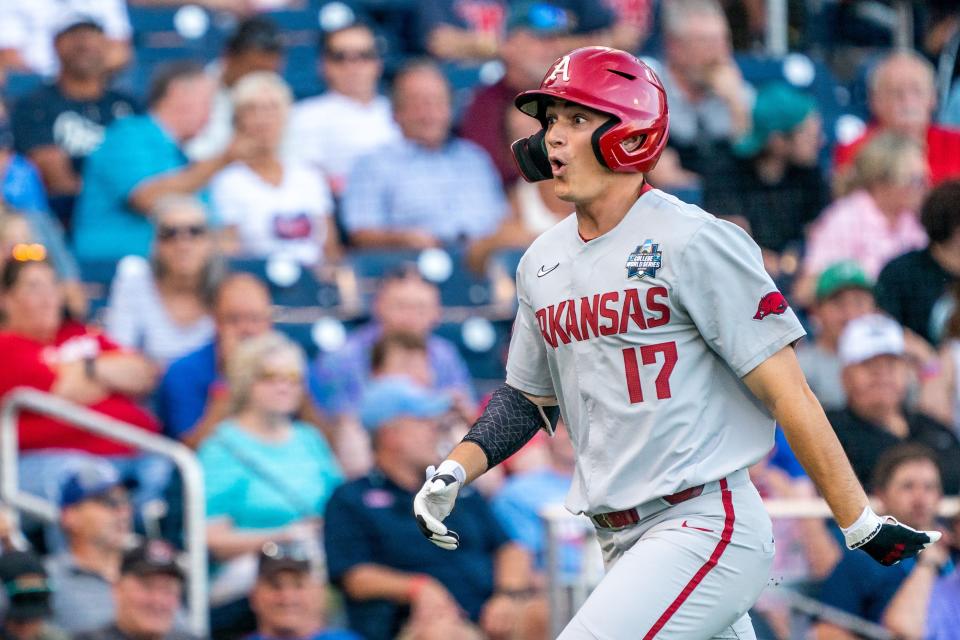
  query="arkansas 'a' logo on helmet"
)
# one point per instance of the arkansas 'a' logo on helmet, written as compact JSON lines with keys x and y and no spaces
{"x":771,"y":304}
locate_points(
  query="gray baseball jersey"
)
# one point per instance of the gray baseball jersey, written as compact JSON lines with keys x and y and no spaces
{"x":643,"y":335}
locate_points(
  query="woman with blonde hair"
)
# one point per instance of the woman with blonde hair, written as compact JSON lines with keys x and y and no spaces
{"x":271,"y":205}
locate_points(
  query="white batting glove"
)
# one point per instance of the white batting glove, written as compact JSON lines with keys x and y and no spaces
{"x":435,"y":500}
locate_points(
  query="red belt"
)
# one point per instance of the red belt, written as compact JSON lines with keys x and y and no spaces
{"x":627,"y":517}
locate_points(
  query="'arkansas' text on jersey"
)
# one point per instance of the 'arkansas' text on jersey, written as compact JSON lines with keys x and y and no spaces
{"x":602,"y":315}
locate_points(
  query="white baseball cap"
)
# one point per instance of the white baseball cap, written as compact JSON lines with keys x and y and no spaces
{"x":868,"y":337}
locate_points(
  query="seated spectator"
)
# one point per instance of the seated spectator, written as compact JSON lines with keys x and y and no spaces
{"x":943,"y":608}
{"x":944,"y":401}
{"x":376,"y":553}
{"x":350,"y":119}
{"x":75,"y":362}
{"x":405,"y":303}
{"x":911,"y":287}
{"x":533,"y":41}
{"x":907,"y":482}
{"x":268,"y":205}
{"x":268,"y":477}
{"x":288,"y":599}
{"x":634,"y":23}
{"x":843,"y":292}
{"x":96,"y":520}
{"x":871,"y":350}
{"x":453,"y":30}
{"x":902,"y":100}
{"x":148,"y":594}
{"x":20,"y":184}
{"x":429,"y":188}
{"x":161,"y":307}
{"x":255,"y":45}
{"x":709,"y":100}
{"x":30,"y":30}
{"x":27,"y":598}
{"x":776,"y":187}
{"x":193,"y":396}
{"x":141,"y":160}
{"x":59,"y":124}
{"x":876,"y":220}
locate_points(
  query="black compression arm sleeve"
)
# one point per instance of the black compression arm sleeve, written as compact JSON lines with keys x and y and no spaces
{"x":508,"y":423}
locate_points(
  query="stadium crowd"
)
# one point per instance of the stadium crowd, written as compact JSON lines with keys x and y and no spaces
{"x":179,"y":179}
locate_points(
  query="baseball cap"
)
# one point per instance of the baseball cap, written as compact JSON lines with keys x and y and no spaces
{"x":840,"y":276}
{"x":394,"y":397}
{"x":282,"y":556}
{"x":25,"y":582}
{"x":90,"y":482}
{"x":870,"y":336}
{"x":542,"y":18}
{"x":73,"y":21}
{"x":779,"y":108}
{"x":150,"y":558}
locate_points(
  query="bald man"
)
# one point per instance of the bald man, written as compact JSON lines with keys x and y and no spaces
{"x":903,"y":99}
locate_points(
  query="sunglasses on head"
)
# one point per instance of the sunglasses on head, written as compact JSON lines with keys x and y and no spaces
{"x":362,"y":55}
{"x":165,"y":234}
{"x":289,"y":550}
{"x":29,"y":252}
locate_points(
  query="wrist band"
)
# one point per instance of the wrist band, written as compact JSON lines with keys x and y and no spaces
{"x":863,"y":530}
{"x":453,"y":468}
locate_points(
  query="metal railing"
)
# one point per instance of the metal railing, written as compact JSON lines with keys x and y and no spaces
{"x":24,"y":399}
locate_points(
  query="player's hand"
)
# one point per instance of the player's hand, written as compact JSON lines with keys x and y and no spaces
{"x":887,"y":540}
{"x":434,"y":502}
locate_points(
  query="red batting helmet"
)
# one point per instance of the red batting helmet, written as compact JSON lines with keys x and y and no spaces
{"x":607,"y":80}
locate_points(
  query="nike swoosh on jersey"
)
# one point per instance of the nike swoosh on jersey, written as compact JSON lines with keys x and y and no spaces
{"x":687,"y":526}
{"x":544,"y":271}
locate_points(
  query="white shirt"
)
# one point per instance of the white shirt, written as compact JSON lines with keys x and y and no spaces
{"x":30,"y":25}
{"x":216,"y":135}
{"x":329,"y":132}
{"x":287,"y":220}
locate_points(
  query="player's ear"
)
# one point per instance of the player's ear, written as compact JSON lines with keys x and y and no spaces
{"x":632,"y":143}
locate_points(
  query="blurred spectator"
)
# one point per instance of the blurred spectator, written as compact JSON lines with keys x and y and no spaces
{"x":877,"y":219}
{"x":872,"y":353}
{"x":474,"y":29}
{"x":534,"y":206}
{"x":96,"y":520}
{"x":255,"y":45}
{"x":193,"y":397}
{"x":330,"y":131}
{"x":148,"y":594}
{"x":944,"y":403}
{"x":77,"y":363}
{"x":943,"y":607}
{"x":914,"y":288}
{"x":27,"y":40}
{"x":288,"y":599}
{"x":375,"y":551}
{"x":59,"y":124}
{"x":776,"y":187}
{"x":269,"y":205}
{"x":843,"y":292}
{"x":902,"y":100}
{"x":20,"y":184}
{"x":27,"y":598}
{"x":429,"y":188}
{"x":141,"y":161}
{"x":634,"y":22}
{"x":907,"y":483}
{"x":161,"y":307}
{"x":405,"y":303}
{"x":268,"y":478}
{"x":709,"y":100}
{"x":533,"y":41}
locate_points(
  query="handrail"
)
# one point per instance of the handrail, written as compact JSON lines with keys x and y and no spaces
{"x":80,"y":417}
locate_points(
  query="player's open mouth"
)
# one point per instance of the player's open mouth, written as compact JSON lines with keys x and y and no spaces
{"x":558,"y":166}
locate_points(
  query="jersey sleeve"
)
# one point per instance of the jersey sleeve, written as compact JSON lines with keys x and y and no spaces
{"x":527,"y":368}
{"x":734,"y":303}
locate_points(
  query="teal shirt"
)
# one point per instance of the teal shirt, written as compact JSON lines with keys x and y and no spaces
{"x":302,"y":470}
{"x":133,"y":149}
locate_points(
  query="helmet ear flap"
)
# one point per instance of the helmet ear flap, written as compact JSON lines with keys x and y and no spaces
{"x":530,"y":155}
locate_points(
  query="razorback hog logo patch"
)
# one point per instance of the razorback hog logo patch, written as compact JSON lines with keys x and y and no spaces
{"x":771,"y":304}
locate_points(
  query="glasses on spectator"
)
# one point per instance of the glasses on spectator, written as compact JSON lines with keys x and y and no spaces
{"x":291,"y":376}
{"x":29,"y":252}
{"x":165,"y":234}
{"x":362,"y":55}
{"x":112,"y":500}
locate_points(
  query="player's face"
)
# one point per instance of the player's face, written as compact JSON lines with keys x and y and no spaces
{"x":578,"y":175}
{"x":912,"y":493}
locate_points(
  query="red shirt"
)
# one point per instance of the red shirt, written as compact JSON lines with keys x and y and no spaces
{"x":484,"y":123}
{"x":29,"y":363}
{"x":943,"y":152}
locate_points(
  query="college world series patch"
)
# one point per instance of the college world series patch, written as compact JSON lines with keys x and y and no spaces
{"x":645,"y":261}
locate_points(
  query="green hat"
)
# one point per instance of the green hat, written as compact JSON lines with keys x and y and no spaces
{"x":779,"y":108}
{"x":842,"y":275}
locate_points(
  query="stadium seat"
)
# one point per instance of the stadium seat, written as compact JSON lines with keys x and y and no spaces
{"x":483,"y":344}
{"x":305,"y":290}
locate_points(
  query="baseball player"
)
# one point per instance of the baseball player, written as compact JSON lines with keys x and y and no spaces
{"x":668,"y":350}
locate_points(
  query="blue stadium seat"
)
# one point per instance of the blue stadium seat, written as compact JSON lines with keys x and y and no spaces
{"x":486,"y":365}
{"x":300,"y":32}
{"x":305,"y":291}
